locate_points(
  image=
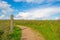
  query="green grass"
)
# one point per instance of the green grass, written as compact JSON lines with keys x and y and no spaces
{"x":4,"y":25}
{"x":16,"y":35}
{"x":50,"y":29}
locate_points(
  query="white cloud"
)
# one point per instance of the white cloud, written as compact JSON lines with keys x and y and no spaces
{"x":5,"y":8}
{"x":2,"y":16}
{"x":17,"y":0}
{"x":38,"y":13}
{"x":28,"y":1}
{"x":36,"y":1}
{"x":57,"y":18}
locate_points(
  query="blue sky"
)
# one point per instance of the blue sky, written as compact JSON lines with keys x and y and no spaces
{"x":30,"y":9}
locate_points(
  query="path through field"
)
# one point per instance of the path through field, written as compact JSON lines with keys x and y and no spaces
{"x":28,"y":34}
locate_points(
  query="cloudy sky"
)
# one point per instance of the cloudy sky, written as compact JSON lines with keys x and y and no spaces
{"x":30,"y":9}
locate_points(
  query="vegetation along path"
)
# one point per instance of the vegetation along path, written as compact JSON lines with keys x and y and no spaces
{"x":28,"y":34}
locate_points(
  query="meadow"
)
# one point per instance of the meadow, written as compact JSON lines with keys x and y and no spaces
{"x":4,"y":31}
{"x":50,"y":29}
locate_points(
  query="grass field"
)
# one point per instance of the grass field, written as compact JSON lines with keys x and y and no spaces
{"x":16,"y":35}
{"x":5,"y":25}
{"x":49,"y":29}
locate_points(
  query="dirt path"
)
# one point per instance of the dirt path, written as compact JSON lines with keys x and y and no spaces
{"x":28,"y":34}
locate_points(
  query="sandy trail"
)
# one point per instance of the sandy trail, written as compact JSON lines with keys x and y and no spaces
{"x":28,"y":34}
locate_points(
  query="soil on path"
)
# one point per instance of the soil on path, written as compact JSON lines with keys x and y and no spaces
{"x":28,"y":34}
